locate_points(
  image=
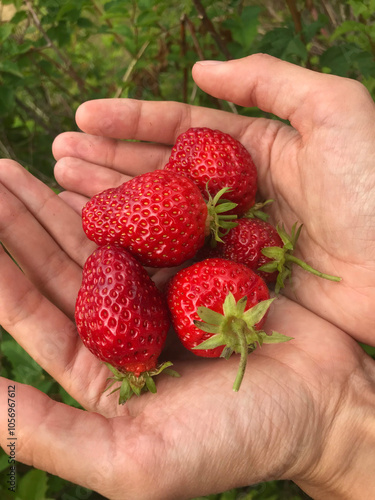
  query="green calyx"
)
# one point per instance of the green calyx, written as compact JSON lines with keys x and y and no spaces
{"x":130,"y":384}
{"x":236,"y":330}
{"x":219,"y":221}
{"x":256,"y":212}
{"x":283,"y":258}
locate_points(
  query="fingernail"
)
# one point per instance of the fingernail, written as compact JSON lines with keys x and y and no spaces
{"x":209,"y":63}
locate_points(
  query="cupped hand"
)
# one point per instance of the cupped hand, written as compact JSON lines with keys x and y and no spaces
{"x":318,"y":167}
{"x":195,"y":436}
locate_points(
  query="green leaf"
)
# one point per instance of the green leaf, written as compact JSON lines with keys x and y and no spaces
{"x":150,"y":384}
{"x":4,"y":464}
{"x":241,"y":305}
{"x":24,"y":368}
{"x":347,"y":27}
{"x":135,"y":388}
{"x":270,"y":267}
{"x":225,"y":207}
{"x":294,"y":48}
{"x":33,"y":485}
{"x":147,"y":18}
{"x":5,"y":31}
{"x":69,"y":11}
{"x":244,"y":29}
{"x":125,"y":391}
{"x":311,"y":29}
{"x":11,"y":68}
{"x":275,"y":253}
{"x":211,"y":343}
{"x":171,"y":373}
{"x":209,"y":316}
{"x":284,"y":235}
{"x":7,"y":101}
{"x":229,"y":305}
{"x":207,"y":327}
{"x":275,"y":338}
{"x":256,"y":313}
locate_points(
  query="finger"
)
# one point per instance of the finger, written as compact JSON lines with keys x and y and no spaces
{"x":74,"y":200}
{"x":140,"y":120}
{"x":49,"y":336}
{"x":128,"y":158}
{"x":52,"y":271}
{"x":152,"y":121}
{"x":289,"y":91}
{"x":58,"y":438}
{"x":63,"y":223}
{"x":73,"y":174}
{"x":33,"y":321}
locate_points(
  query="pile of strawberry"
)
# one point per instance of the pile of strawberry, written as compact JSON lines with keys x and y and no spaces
{"x":199,"y":211}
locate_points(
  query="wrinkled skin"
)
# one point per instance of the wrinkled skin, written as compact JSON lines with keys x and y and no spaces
{"x":305,"y":408}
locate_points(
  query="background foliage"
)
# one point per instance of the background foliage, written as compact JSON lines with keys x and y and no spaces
{"x":55,"y":54}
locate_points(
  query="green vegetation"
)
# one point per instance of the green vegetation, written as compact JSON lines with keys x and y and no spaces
{"x":55,"y":54}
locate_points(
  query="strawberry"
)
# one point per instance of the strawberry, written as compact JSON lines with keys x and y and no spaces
{"x":160,"y":217}
{"x":265,"y":249}
{"x":245,"y":243}
{"x":218,"y":307}
{"x":122,"y":318}
{"x":214,"y":160}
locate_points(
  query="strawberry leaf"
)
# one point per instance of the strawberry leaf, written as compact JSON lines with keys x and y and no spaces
{"x":213,"y":342}
{"x":125,"y":392}
{"x":150,"y":384}
{"x":255,"y":314}
{"x":206,"y":327}
{"x":256,"y":211}
{"x":209,"y":316}
{"x":270,"y":267}
{"x":229,"y":306}
{"x":275,"y":338}
{"x":275,"y":253}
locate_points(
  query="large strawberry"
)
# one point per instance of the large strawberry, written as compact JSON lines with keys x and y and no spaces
{"x":160,"y":217}
{"x":215,"y":160}
{"x":218,"y":307}
{"x":266,"y":249}
{"x":122,"y":318}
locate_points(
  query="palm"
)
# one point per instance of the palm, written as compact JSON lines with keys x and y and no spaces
{"x":317,"y":171}
{"x":193,"y":414}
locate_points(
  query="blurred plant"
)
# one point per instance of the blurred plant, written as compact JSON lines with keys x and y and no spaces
{"x":55,"y":54}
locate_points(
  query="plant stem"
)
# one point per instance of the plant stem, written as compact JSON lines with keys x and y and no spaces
{"x":211,"y":29}
{"x":239,"y":330}
{"x":311,"y":270}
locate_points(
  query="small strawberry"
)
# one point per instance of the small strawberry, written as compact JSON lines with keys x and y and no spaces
{"x":218,"y":307}
{"x":122,"y":318}
{"x":214,"y":160}
{"x":245,"y":243}
{"x":265,"y":249}
{"x":160,"y":217}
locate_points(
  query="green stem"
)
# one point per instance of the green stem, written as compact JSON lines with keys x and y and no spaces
{"x":239,"y":330}
{"x":308,"y":268}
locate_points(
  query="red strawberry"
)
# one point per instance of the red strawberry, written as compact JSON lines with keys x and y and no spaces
{"x":215,"y":160}
{"x":232,"y":302}
{"x":245,"y":243}
{"x":160,"y":217}
{"x":122,"y":318}
{"x":265,"y":249}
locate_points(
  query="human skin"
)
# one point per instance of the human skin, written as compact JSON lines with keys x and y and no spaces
{"x":305,"y":408}
{"x":319,"y":170}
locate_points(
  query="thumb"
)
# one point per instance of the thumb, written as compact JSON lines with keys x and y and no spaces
{"x":288,"y":91}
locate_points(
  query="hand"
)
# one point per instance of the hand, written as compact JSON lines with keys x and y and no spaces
{"x":304,"y":411}
{"x":319,"y":169}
